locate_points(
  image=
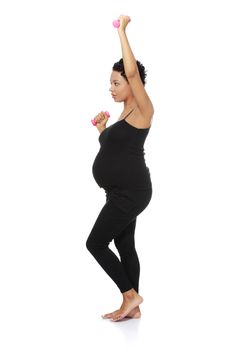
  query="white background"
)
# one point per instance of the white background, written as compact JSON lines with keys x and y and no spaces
{"x":55,"y":65}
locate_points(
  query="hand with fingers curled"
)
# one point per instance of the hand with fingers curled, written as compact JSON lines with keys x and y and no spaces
{"x":101,"y":120}
{"x":121,"y":22}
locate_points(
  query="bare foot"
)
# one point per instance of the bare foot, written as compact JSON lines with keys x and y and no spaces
{"x":131,"y":300}
{"x":135,"y":313}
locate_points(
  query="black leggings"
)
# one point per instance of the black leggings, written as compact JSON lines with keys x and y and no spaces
{"x":117,"y":220}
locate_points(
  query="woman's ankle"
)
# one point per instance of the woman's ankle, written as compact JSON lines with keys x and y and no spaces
{"x":129,"y":293}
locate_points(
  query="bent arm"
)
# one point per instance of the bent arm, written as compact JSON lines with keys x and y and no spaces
{"x":132,"y":73}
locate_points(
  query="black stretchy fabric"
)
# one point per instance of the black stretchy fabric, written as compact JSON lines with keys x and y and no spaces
{"x":120,"y":169}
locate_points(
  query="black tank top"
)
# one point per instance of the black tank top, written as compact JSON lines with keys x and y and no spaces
{"x":120,"y":162}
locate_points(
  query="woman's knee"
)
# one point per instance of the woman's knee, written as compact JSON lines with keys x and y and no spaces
{"x":94,"y":245}
{"x":89,"y":244}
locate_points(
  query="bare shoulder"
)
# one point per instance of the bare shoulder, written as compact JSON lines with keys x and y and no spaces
{"x":139,"y":120}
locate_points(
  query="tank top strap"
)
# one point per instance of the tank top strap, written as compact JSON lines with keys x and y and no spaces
{"x":128,"y":114}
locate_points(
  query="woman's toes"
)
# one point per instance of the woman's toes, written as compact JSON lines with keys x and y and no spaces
{"x":117,"y":317}
{"x":107,"y":315}
{"x":110,"y":315}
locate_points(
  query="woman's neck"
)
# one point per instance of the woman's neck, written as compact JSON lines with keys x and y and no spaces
{"x":128,"y":105}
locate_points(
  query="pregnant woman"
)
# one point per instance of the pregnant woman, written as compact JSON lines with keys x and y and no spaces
{"x":120,"y":169}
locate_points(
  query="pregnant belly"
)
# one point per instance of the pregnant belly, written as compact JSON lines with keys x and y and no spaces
{"x":121,"y":172}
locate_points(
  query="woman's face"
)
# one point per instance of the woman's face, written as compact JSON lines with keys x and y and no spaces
{"x":120,"y":89}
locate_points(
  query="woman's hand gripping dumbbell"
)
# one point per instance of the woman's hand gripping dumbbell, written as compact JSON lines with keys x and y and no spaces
{"x":100,"y":120}
{"x":117,"y":22}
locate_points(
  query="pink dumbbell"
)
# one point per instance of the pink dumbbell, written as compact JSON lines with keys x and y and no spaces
{"x":116,"y":23}
{"x":93,"y":120}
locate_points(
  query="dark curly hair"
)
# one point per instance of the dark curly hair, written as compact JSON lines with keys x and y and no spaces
{"x":119,"y":67}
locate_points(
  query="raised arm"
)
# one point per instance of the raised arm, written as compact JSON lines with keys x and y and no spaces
{"x":131,"y":70}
